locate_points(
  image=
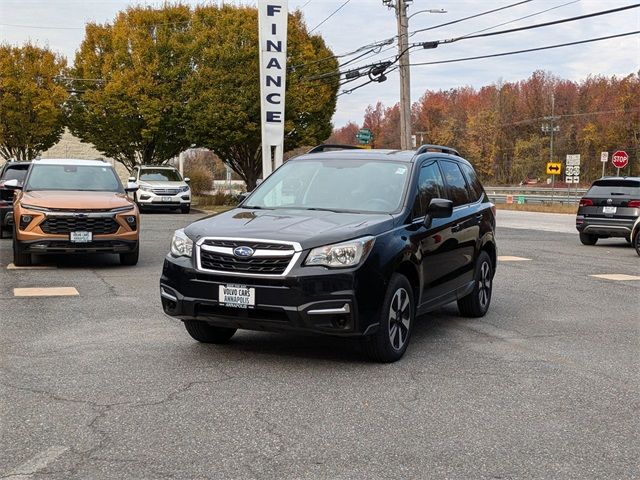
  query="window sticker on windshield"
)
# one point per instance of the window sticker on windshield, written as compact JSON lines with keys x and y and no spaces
{"x":401,"y":170}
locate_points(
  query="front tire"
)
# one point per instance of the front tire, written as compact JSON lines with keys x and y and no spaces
{"x":130,"y":258}
{"x":588,"y":239}
{"x":20,"y":259}
{"x":185,"y":208}
{"x":397,"y":317}
{"x":205,"y":333}
{"x":476,"y":304}
{"x":636,"y":242}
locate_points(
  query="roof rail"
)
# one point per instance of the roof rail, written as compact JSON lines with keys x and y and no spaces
{"x":329,"y":146}
{"x":437,"y":148}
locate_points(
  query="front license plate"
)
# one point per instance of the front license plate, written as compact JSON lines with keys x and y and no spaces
{"x":166,"y":199}
{"x":80,"y":237}
{"x":237,"y":296}
{"x":609,"y":209}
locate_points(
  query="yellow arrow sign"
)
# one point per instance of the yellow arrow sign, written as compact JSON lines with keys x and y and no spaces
{"x":554,"y":168}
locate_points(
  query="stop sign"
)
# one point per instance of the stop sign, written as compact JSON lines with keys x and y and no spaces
{"x":620,"y":159}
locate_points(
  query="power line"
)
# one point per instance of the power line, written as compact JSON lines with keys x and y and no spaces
{"x":540,"y":25}
{"x":528,"y":49}
{"x":524,"y":17}
{"x":331,"y":15}
{"x":389,"y":41}
{"x":468,"y":18}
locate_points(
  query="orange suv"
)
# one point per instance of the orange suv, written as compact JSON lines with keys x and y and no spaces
{"x":73,"y":206}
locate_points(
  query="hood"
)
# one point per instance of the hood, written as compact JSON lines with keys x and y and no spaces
{"x":76,"y":200}
{"x":161,"y":184}
{"x":307,"y":227}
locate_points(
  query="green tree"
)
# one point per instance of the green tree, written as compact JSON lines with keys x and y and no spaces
{"x":224,"y":90}
{"x":31,"y":100}
{"x":129,"y":99}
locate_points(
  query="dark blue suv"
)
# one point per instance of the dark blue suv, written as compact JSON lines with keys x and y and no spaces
{"x":349,"y":242}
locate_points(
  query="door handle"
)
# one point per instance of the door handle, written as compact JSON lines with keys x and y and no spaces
{"x":456,"y":228}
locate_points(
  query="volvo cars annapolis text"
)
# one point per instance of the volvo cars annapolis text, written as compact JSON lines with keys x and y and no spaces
{"x":350,"y":242}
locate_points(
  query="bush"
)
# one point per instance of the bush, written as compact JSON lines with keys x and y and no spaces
{"x":201,"y":179}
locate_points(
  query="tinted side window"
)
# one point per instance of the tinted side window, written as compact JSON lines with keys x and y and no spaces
{"x":458,"y":193}
{"x":430,"y":185}
{"x":475,"y":188}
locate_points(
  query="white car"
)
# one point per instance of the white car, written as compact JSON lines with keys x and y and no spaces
{"x":161,"y":187}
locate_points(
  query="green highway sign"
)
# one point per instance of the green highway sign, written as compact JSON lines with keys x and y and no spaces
{"x":364,"y":135}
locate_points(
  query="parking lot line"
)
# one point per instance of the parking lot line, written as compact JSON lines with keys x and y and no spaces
{"x":617,"y":277}
{"x":45,"y":292}
{"x":509,"y":258}
{"x":11,"y":266}
{"x":36,"y":464}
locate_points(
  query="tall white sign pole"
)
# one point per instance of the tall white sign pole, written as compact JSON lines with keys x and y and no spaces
{"x":272,"y":25}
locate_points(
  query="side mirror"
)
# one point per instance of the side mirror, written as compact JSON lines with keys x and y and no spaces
{"x":187,"y":179}
{"x":438,"y":208}
{"x":12,"y":185}
{"x":241,"y":197}
{"x":131,"y":187}
{"x":132,"y":180}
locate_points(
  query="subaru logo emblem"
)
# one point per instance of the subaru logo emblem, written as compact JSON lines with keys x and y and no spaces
{"x":243,"y":252}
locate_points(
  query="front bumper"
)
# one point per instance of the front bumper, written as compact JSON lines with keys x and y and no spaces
{"x":307,"y":300}
{"x":49,"y":246}
{"x":605,"y":227}
{"x":150,"y":199}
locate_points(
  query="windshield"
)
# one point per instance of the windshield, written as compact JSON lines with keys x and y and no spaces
{"x":72,"y":177}
{"x":15,"y":173}
{"x":608,"y":188}
{"x":360,"y":186}
{"x":160,"y":175}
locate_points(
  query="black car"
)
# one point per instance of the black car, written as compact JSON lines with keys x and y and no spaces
{"x":9,"y":171}
{"x":609,"y":209}
{"x":352,"y":243}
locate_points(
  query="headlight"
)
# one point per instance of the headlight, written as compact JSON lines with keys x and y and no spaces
{"x":339,"y":255}
{"x":181,"y":245}
{"x":145,"y":188}
{"x":185,"y":188}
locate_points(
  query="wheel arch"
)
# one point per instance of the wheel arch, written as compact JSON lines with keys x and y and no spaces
{"x":409,"y":270}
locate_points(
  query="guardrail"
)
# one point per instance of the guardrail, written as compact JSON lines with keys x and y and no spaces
{"x":538,"y":195}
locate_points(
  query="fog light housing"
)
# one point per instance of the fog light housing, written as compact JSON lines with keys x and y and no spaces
{"x":25,"y":220}
{"x":131,"y":220}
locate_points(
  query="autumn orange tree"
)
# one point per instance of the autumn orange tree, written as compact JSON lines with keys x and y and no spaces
{"x":499,"y":127}
{"x":31,"y":100}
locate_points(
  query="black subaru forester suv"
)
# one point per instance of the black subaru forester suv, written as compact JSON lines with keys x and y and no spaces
{"x":349,"y":242}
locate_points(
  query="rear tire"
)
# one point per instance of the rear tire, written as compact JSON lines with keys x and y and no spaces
{"x":20,"y":259}
{"x":205,"y":333}
{"x":636,"y":242}
{"x":588,"y":239}
{"x":476,"y":304}
{"x":130,"y":258}
{"x":397,"y":317}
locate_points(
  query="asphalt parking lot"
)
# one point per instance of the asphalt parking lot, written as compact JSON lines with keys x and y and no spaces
{"x":101,"y":385}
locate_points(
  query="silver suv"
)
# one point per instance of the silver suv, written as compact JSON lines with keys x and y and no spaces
{"x":161,"y":187}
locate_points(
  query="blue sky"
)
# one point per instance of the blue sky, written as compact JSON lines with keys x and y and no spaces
{"x":360,"y":22}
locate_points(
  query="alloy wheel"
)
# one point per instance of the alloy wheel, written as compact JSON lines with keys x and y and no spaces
{"x":484,"y":285}
{"x":399,"y":318}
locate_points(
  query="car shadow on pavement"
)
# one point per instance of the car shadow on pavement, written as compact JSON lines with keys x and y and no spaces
{"x":428,"y":330}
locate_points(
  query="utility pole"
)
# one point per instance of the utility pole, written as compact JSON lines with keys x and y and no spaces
{"x":550,"y":128}
{"x":400,"y":7}
{"x":405,"y":79}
